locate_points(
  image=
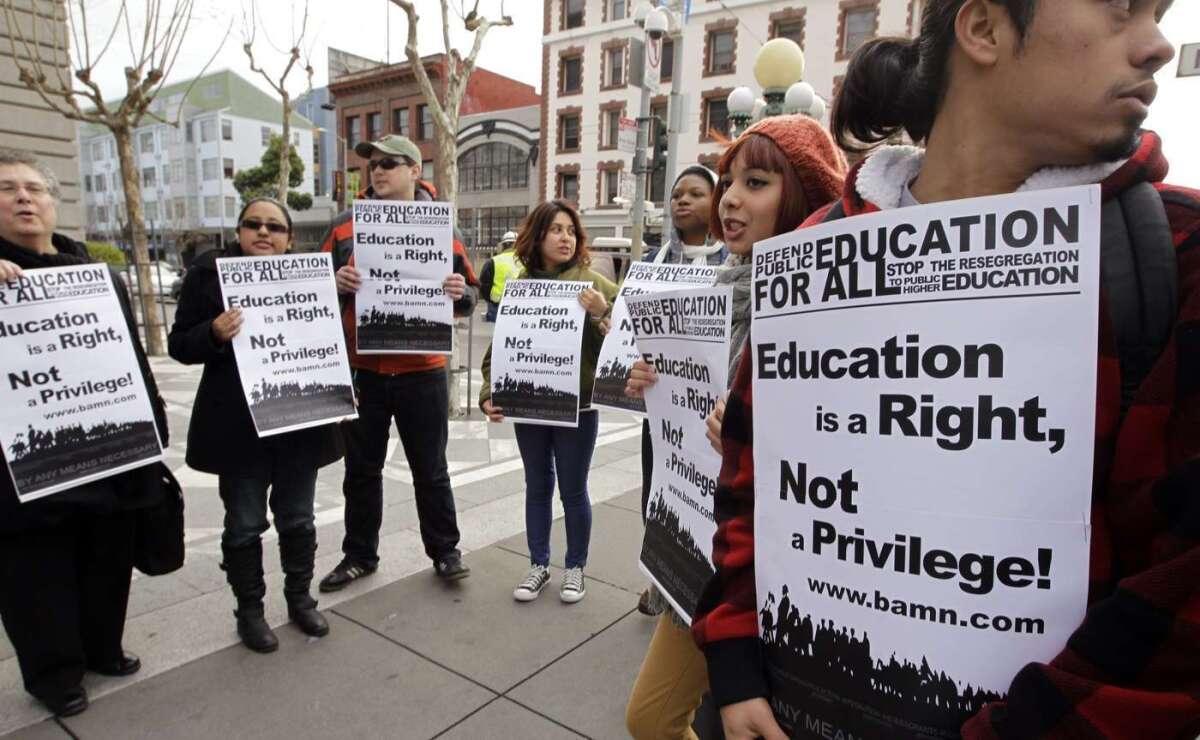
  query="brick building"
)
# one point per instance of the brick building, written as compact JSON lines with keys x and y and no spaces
{"x":587,"y":50}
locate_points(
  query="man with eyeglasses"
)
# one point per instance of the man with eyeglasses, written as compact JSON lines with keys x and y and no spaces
{"x":412,"y":390}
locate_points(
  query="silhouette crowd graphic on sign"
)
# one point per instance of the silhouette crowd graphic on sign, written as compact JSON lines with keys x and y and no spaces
{"x":32,"y":442}
{"x":664,"y":516}
{"x":384,"y":320}
{"x":265,"y":391}
{"x":841,"y":660}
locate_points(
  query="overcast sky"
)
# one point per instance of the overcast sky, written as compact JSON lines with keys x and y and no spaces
{"x":362,"y":27}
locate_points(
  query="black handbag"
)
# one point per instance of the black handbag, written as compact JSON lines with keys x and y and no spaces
{"x":158,"y":543}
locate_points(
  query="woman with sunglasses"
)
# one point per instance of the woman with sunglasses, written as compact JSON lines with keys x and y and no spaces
{"x":222,"y":440}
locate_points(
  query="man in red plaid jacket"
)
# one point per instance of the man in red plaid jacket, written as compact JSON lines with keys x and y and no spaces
{"x":1014,"y":95}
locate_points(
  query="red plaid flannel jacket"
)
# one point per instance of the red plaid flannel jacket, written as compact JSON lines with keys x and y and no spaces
{"x":1132,"y":668}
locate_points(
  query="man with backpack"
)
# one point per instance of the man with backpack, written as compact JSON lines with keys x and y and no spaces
{"x":411,"y":390}
{"x":1021,"y":95}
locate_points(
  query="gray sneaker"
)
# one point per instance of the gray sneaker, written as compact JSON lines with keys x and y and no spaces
{"x":572,"y":589}
{"x":531,"y":587}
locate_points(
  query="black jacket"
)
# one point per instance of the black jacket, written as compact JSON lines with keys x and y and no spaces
{"x":132,"y":489}
{"x":222,"y":438}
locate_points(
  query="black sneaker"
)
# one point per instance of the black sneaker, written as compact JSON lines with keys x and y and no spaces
{"x":346,"y":572}
{"x":451,"y":568}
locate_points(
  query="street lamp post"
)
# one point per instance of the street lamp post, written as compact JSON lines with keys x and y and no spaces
{"x":779,"y":70}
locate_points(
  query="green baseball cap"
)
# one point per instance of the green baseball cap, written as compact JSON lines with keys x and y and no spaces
{"x":393,"y":144}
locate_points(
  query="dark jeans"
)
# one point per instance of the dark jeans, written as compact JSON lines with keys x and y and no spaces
{"x":418,"y":403}
{"x":292,"y":490}
{"x":492,"y":310}
{"x":546,"y":450}
{"x":63,"y":595}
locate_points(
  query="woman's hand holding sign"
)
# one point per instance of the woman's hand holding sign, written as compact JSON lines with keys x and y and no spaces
{"x":713,"y":422}
{"x":348,"y":280}
{"x":641,"y":376}
{"x":455,"y":286}
{"x":593,"y":302}
{"x":226,"y":326}
{"x":750,"y":719}
{"x":494,"y":413}
{"x":9,"y":270}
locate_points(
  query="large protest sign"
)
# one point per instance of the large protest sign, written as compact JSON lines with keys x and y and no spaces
{"x":290,"y":353}
{"x":924,"y":412}
{"x":76,"y":408}
{"x":403,"y":250}
{"x":619,"y":351}
{"x":535,"y":351}
{"x":684,"y":335}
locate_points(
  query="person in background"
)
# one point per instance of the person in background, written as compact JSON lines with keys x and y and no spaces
{"x":251,"y":471}
{"x":553,"y":246}
{"x":496,"y":272}
{"x":773,"y":177}
{"x":66,"y":560}
{"x":411,"y":390}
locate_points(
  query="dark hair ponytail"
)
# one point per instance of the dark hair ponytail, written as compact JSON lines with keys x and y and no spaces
{"x":896,"y":84}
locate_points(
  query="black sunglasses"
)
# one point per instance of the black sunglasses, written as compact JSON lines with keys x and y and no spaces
{"x":387,"y":164}
{"x":253,"y":224}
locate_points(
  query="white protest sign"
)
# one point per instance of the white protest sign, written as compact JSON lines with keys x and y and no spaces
{"x":536,"y":351}
{"x":684,"y":335}
{"x":924,"y":413}
{"x":403,"y":250}
{"x":619,"y":351}
{"x":291,"y":353}
{"x":76,"y":408}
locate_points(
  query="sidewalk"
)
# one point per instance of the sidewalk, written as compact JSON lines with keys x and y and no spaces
{"x":407,"y":657}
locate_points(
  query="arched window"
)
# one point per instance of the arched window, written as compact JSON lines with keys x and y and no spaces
{"x":493,"y":166}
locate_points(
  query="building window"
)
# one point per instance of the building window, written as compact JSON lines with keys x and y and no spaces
{"x":230,"y":207}
{"x":208,"y":130}
{"x":720,"y":52}
{"x":227,"y":130}
{"x":177,"y":171}
{"x":353,"y":131}
{"x":618,"y":9}
{"x":572,"y":13}
{"x":97,"y":151}
{"x":568,"y":132}
{"x":188,"y":132}
{"x":610,"y":186}
{"x":614,"y":67}
{"x":400,"y":121}
{"x":208,"y":168}
{"x":570,"y":75}
{"x":180,"y":208}
{"x":716,"y":118}
{"x":166,"y":177}
{"x":485,"y":226}
{"x":493,"y":166}
{"x":610,"y":127}
{"x":87,"y":183}
{"x":568,"y":186}
{"x":117,"y":185}
{"x":859,"y":23}
{"x":789,"y":29}
{"x":151,"y":210}
{"x":149,"y":176}
{"x":102,"y":214}
{"x":374,"y":126}
{"x":425,"y":130}
{"x":666,"y":67}
{"x":212,"y":206}
{"x":101,"y":183}
{"x":227,"y":168}
{"x":266,"y":136}
{"x":146,"y":142}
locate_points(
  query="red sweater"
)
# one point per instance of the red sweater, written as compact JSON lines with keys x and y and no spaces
{"x":1132,"y":668}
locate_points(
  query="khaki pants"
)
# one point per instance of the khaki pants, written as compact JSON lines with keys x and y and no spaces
{"x":669,"y":686}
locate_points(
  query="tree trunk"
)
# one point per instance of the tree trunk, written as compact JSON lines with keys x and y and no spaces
{"x":146,"y":300}
{"x":285,"y":152}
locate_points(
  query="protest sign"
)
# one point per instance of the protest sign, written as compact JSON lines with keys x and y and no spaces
{"x":619,"y":351}
{"x":290,"y":353}
{"x":684,"y":335}
{"x":404,"y":250}
{"x":924,"y":412}
{"x":76,"y":408}
{"x":535,"y":351}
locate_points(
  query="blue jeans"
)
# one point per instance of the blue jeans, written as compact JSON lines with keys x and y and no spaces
{"x":546,"y":450}
{"x":292,"y":490}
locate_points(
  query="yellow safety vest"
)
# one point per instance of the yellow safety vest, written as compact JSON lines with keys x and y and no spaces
{"x":504,"y":264}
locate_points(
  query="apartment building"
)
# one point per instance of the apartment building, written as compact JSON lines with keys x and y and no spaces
{"x":588,"y":52}
{"x":187,"y":171}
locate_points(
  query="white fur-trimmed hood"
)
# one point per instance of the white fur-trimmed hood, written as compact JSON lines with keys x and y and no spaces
{"x":882,"y":178}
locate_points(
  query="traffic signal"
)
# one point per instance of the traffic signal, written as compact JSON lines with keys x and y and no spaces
{"x":660,"y":139}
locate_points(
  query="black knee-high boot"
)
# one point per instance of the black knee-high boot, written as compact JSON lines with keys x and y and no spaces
{"x":297,"y":551}
{"x":244,"y":570}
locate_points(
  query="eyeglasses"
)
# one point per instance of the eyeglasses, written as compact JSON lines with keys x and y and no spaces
{"x":386,"y":164}
{"x":33,"y":189}
{"x":253,"y":224}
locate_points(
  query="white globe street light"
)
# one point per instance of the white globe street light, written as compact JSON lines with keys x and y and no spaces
{"x":779,"y":65}
{"x":799,"y":98}
{"x":817,"y":110}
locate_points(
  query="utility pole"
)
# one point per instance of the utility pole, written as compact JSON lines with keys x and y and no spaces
{"x":674,"y":125}
{"x":638,"y":212}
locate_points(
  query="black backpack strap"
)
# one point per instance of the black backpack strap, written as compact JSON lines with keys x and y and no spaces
{"x":1138,"y":270}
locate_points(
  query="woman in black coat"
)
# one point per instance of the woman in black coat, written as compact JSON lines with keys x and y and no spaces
{"x":66,"y":559}
{"x":222,"y":440}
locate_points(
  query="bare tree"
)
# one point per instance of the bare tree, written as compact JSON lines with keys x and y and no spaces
{"x":446,"y":106}
{"x":153,"y":49}
{"x":250,"y":23}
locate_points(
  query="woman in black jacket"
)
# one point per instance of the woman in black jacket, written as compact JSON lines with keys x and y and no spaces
{"x":222,"y":440}
{"x":66,"y":559}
